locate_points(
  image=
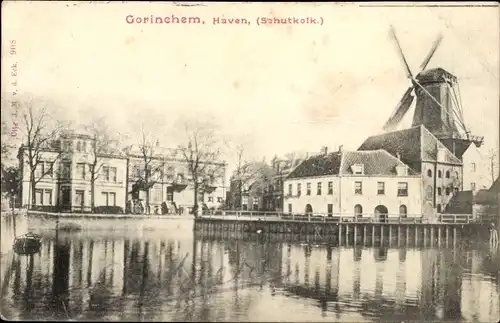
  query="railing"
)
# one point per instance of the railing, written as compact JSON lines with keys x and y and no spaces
{"x":336,"y":218}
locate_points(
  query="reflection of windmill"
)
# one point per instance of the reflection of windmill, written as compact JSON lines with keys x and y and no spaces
{"x":438,"y":106}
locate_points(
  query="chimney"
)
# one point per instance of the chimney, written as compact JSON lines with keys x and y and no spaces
{"x":324,"y":150}
{"x":341,"y":148}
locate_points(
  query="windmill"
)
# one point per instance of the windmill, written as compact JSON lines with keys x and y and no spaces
{"x":438,"y":106}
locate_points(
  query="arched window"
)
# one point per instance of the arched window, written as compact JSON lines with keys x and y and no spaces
{"x":309,"y":209}
{"x":447,"y":191}
{"x":440,"y":174}
{"x":78,"y":146}
{"x":429,"y":193}
{"x":403,"y":211}
{"x":358,"y":211}
{"x":447,"y":174}
{"x":439,"y":208}
{"x":455,"y":175}
{"x":429,"y":173}
{"x":439,"y":191}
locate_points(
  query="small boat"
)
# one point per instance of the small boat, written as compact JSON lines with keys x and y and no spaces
{"x":26,"y":244}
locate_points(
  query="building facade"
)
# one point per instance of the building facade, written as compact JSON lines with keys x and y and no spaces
{"x":440,"y":170}
{"x":63,"y":180}
{"x":479,"y":170}
{"x":63,"y":177}
{"x":354,"y":183}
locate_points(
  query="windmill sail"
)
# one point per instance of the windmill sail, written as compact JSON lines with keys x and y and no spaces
{"x":400,"y":111}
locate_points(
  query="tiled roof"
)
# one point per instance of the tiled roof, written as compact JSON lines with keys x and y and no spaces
{"x":377,"y":162}
{"x":318,"y":165}
{"x":413,"y":145}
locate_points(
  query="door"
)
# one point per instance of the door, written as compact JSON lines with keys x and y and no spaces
{"x":330,"y":210}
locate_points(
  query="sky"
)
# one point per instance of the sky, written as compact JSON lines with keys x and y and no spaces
{"x":273,"y":88}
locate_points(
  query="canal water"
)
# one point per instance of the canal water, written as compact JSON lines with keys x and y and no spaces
{"x":161,"y":272}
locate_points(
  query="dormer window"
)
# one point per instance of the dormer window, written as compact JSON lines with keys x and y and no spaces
{"x":441,"y":153}
{"x":402,"y":170}
{"x":358,"y":169}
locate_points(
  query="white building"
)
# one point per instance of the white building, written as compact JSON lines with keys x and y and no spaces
{"x":348,"y":183}
{"x":478,"y":169}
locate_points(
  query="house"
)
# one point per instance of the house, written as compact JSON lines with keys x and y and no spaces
{"x":347,"y":183}
{"x":478,"y":169}
{"x":273,"y":195}
{"x":164,"y":177}
{"x":63,"y":177}
{"x":441,"y":172}
{"x":248,"y":184}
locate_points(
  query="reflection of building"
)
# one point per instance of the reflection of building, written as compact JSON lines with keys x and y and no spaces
{"x":365,"y":183}
{"x":64,"y":173}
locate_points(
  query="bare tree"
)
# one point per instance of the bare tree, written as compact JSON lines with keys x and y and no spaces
{"x":202,"y":154}
{"x":40,"y":133}
{"x":152,"y":166}
{"x":102,"y":144}
{"x":493,"y":166}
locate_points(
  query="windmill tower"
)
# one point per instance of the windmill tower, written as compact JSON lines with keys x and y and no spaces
{"x":438,"y":106}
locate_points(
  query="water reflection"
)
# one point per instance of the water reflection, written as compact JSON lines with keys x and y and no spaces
{"x":157,"y":276}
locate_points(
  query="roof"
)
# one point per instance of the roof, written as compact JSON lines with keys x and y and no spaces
{"x":377,"y":162}
{"x":414,"y":144}
{"x":435,"y":75}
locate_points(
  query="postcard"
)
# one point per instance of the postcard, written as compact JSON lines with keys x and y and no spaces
{"x":250,"y":161}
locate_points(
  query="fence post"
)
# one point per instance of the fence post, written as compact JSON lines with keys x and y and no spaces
{"x":308,"y":217}
{"x":454,"y":218}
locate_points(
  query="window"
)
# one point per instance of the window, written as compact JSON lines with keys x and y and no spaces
{"x":429,"y":173}
{"x":38,"y":197}
{"x":429,"y":192}
{"x":113,"y":173}
{"x":47,"y":197}
{"x":290,"y":189}
{"x":403,"y":211}
{"x":105,"y":173}
{"x":308,"y":189}
{"x":79,"y":198}
{"x":330,"y":210}
{"x":157,"y":196}
{"x":80,"y":171}
{"x":358,"y":188}
{"x":170,"y":194}
{"x":319,"y":188}
{"x":109,"y":198}
{"x":473,"y":167}
{"x":49,"y":169}
{"x":447,"y":174}
{"x":219,"y":199}
{"x":78,"y":146}
{"x":289,"y":208}
{"x":439,"y":191}
{"x":402,"y":170}
{"x":84,"y":146}
{"x":456,"y":189}
{"x":448,"y":191}
{"x":402,"y":189}
{"x":299,"y":189}
{"x":440,"y":173}
{"x":380,"y":188}
{"x":358,"y":169}
{"x":66,"y":170}
{"x":455,"y":175}
{"x":210,"y":199}
{"x":358,"y":211}
{"x":330,"y":188}
{"x":39,"y":170}
{"x":473,"y":186}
